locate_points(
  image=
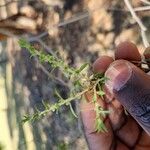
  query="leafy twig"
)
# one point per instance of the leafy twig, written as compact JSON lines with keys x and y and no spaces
{"x":81,"y":84}
{"x":51,"y":108}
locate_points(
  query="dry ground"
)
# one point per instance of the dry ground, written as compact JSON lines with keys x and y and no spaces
{"x":99,"y":27}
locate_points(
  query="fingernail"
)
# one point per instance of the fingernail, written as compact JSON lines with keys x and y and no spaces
{"x":118,"y":74}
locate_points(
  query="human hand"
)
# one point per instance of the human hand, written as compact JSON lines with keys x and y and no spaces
{"x":129,"y":87}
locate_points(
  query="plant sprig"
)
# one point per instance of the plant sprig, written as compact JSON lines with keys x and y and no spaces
{"x":81,"y":83}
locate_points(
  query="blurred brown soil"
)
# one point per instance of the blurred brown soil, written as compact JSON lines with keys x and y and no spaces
{"x":106,"y":24}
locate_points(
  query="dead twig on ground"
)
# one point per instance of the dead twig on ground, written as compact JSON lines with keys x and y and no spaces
{"x":139,"y":22}
{"x":142,"y":8}
{"x":145,"y":1}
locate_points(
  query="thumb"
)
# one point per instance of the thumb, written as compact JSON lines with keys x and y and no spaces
{"x":131,"y":86}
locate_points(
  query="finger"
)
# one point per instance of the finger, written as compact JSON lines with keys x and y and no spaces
{"x":129,"y":132}
{"x":117,"y":116}
{"x":88,"y":111}
{"x":128,"y":51}
{"x":144,"y":142}
{"x":147,"y":55}
{"x":121,"y":146}
{"x":100,"y":66}
{"x":131,"y":87}
{"x":95,"y":139}
{"x":102,"y":63}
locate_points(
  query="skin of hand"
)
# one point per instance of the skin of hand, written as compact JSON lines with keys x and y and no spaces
{"x":128,"y":87}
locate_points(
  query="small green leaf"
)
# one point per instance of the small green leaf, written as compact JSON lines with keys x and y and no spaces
{"x":100,"y":126}
{"x":94,"y":96}
{"x":72,"y":111}
{"x":98,"y":76}
{"x":58,"y":95}
{"x":46,"y":105}
{"x":25,"y":119}
{"x":101,"y":93}
{"x":22,"y":43}
{"x":77,"y":83}
{"x":82,"y":68}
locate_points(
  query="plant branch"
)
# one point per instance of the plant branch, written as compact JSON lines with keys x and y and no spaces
{"x":52,"y":108}
{"x":144,"y":8}
{"x":145,"y":1}
{"x":139,"y":22}
{"x":50,"y":75}
{"x":35,"y":38}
